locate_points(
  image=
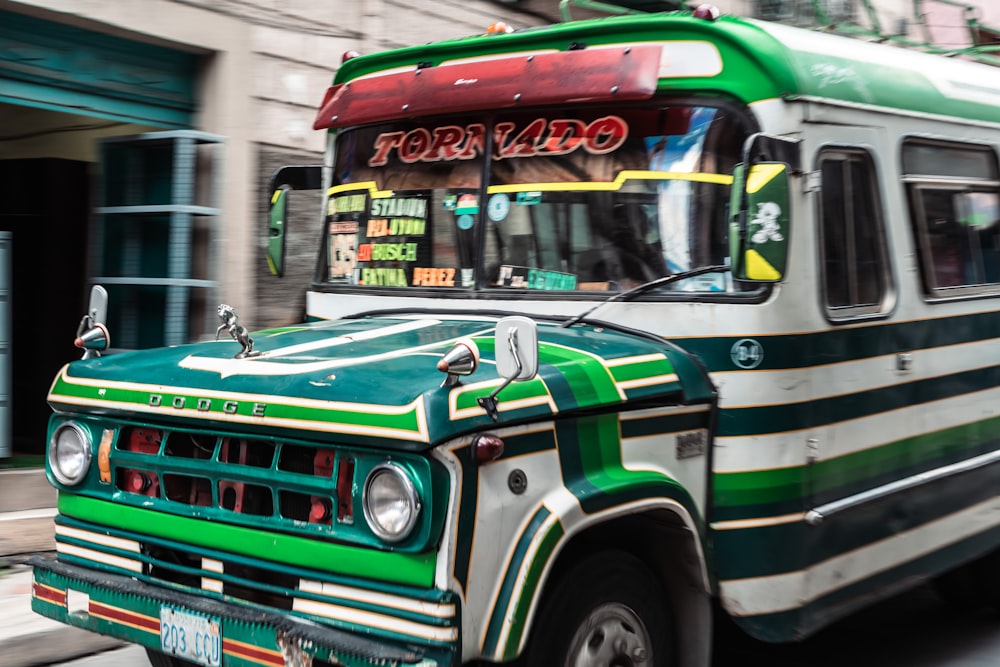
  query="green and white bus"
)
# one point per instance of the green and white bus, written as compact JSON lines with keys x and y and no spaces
{"x":614,"y":322}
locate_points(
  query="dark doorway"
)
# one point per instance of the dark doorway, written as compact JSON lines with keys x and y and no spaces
{"x":44,"y":203}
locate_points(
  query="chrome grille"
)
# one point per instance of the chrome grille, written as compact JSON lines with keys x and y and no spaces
{"x":290,"y":483}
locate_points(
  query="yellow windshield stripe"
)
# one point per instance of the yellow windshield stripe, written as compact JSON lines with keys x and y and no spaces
{"x":623,"y":176}
{"x":371,"y":186}
{"x":620,"y":180}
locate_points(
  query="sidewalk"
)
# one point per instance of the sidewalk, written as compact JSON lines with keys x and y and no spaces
{"x":27,"y":505}
{"x":28,"y":639}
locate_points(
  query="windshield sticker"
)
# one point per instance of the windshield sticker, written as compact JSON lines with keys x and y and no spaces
{"x":389,"y":233}
{"x":467,"y":205}
{"x":498,"y":207}
{"x":344,"y":227}
{"x":433,"y":277}
{"x":346,"y":204}
{"x":383,"y":277}
{"x":542,"y":136}
{"x":528,"y":278}
{"x":529,"y":198}
{"x":394,"y":252}
{"x":342,"y":254}
{"x":411,"y":208}
{"x":395,"y":227}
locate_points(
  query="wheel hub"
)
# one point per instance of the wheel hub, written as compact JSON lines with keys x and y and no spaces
{"x":612,"y":635}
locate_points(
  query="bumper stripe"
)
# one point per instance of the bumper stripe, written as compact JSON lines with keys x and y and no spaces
{"x":123,"y":607}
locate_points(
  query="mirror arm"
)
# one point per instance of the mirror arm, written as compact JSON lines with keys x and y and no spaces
{"x":747,"y":161}
{"x":741,"y":222}
{"x":489,"y":403}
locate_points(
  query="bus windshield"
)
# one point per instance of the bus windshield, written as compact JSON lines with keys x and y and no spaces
{"x":592,"y":199}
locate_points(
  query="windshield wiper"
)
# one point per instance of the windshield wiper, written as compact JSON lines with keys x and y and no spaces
{"x":645,"y":287}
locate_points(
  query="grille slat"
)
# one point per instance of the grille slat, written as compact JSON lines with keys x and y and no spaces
{"x":287,"y":482}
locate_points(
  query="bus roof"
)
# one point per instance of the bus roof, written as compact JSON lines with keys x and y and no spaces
{"x":741,"y":59}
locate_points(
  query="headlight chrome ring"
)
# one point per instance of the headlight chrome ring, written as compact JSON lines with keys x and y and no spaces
{"x":70,"y":453}
{"x":390,"y":502}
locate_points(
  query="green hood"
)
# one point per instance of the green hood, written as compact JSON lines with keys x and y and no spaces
{"x":368,"y":380}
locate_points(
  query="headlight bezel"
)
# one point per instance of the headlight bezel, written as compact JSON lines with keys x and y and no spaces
{"x":412,"y":496}
{"x":86,"y":444}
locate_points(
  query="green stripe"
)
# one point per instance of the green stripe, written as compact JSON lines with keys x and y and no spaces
{"x":820,"y":348}
{"x":515,"y":391}
{"x":819,"y":412}
{"x":530,"y":587}
{"x":740,"y":495}
{"x":736,"y":492}
{"x":766,"y":550}
{"x":664,"y":425}
{"x":602,"y":456}
{"x":510,"y":580}
{"x":757,"y":65}
{"x":593,"y":471}
{"x":390,"y":567}
{"x":514,"y":445}
{"x":405,"y":422}
{"x":589,"y":380}
{"x":467,"y":506}
{"x":641,"y":369}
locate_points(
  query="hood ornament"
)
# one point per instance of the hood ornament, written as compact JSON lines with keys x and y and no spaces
{"x":92,"y":334}
{"x":239,"y":333}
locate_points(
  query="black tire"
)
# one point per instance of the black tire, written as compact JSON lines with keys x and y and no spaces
{"x":608,"y":611}
{"x":973,"y":585}
{"x":958,"y":588}
{"x":157,"y":659}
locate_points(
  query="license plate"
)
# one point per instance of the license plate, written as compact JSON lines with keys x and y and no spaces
{"x":190,"y":636}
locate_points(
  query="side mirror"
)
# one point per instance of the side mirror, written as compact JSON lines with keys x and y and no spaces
{"x":759,"y":211}
{"x":282,"y":181}
{"x":98,"y":308}
{"x":517,"y":348}
{"x":276,"y":231}
{"x":516,"y":352}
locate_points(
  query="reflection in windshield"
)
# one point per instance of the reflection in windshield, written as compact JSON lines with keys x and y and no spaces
{"x":583,"y":201}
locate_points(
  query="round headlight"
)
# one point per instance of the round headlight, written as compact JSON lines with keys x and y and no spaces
{"x":69,"y":453}
{"x":390,"y":502}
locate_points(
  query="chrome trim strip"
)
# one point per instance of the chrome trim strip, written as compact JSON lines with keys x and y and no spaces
{"x":815,"y":516}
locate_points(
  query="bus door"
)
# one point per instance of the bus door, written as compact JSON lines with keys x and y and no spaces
{"x":853,"y":445}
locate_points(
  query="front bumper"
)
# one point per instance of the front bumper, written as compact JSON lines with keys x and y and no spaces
{"x":130,"y":610}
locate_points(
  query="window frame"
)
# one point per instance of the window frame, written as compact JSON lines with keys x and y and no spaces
{"x":914,"y":184}
{"x":854,"y":155}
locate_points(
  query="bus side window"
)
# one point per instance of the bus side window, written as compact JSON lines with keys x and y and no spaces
{"x":854,"y":261}
{"x":954,"y":195}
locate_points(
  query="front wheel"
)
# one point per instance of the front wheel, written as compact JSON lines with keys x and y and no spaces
{"x":608,"y":611}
